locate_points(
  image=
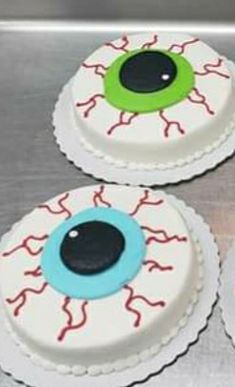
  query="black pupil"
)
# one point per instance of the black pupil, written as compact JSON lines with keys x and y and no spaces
{"x":147,"y":72}
{"x":92,"y":247}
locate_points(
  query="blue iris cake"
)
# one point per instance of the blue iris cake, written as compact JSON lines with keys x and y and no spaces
{"x":98,"y":279}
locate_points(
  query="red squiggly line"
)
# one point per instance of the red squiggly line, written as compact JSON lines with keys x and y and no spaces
{"x":151,"y":43}
{"x":92,"y":102}
{"x":182,"y":46}
{"x":122,"y":122}
{"x":169,"y":124}
{"x":34,"y":273}
{"x":132,"y":297}
{"x":98,"y":68}
{"x":62,"y":209}
{"x":70,"y":324}
{"x":23,"y":297}
{"x":165,"y":237}
{"x":208,"y":70}
{"x":144,"y":201}
{"x":24,"y":245}
{"x":154,"y":265}
{"x":122,"y":47}
{"x":98,"y":196}
{"x":201,"y":100}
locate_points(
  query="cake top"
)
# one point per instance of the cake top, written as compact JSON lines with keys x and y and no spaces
{"x":170,"y":84}
{"x":89,"y":252}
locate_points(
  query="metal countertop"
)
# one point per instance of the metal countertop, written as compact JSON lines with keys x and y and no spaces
{"x":33,"y":68}
{"x":212,"y":10}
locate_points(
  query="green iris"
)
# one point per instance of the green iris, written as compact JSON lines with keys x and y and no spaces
{"x":128,"y":100}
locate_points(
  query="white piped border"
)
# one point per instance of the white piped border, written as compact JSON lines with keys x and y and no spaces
{"x":13,"y":361}
{"x":227,"y":293}
{"x":95,"y":163}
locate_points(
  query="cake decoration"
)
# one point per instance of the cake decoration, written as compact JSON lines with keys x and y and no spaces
{"x":60,"y":207}
{"x":211,"y":68}
{"x":152,"y":100}
{"x":70,"y":325}
{"x":147,"y":71}
{"x":33,"y":251}
{"x":143,"y":81}
{"x":94,"y":253}
{"x":200,"y":99}
{"x":133,"y":297}
{"x":124,"y":258}
{"x":23,"y":298}
{"x":92,"y":247}
{"x":180,"y":48}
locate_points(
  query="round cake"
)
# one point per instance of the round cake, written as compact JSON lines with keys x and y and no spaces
{"x":153,"y":100}
{"x":99,"y":278}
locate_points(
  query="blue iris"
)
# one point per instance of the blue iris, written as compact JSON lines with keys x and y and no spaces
{"x":104,"y":283}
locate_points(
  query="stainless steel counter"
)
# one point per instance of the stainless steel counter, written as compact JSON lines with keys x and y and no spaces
{"x":208,"y":10}
{"x":33,"y":68}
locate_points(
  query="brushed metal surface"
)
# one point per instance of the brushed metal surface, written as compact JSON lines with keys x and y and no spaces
{"x":33,"y":68}
{"x":209,"y":10}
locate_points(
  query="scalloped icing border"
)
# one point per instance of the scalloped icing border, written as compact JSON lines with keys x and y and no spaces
{"x":151,"y":167}
{"x":118,"y":163}
{"x":130,"y":361}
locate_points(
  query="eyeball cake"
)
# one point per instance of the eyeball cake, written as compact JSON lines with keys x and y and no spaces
{"x":155,"y":100}
{"x":98,"y":279}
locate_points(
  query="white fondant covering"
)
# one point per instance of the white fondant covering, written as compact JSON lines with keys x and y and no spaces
{"x":109,"y":334}
{"x":144,"y":139}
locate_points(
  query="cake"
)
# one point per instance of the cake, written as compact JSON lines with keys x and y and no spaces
{"x":153,"y":100}
{"x":98,"y":279}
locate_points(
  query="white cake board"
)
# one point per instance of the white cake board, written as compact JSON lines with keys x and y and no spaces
{"x":68,"y":138}
{"x":227,"y":293}
{"x":22,"y":369}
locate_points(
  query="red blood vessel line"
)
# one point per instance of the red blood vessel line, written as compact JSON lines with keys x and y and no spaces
{"x":22,"y":297}
{"x":123,"y":45}
{"x":151,"y":43}
{"x":182,"y":46}
{"x":154,"y":265}
{"x":122,"y":121}
{"x":98,"y":197}
{"x":162,"y":237}
{"x":34,"y":273}
{"x":61,"y":210}
{"x":170,"y":124}
{"x":145,"y":202}
{"x":25,"y":245}
{"x":198,"y":98}
{"x":91,"y":103}
{"x":99,"y":68}
{"x":70,"y":325}
{"x":133,"y":297}
{"x":209,"y":68}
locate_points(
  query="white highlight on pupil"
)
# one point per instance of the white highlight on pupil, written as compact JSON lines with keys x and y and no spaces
{"x":165,"y":77}
{"x":73,"y":234}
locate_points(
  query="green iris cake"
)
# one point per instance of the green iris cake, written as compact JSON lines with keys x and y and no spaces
{"x":153,"y":99}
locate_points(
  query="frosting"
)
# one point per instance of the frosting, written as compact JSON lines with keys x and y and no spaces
{"x":107,"y":333}
{"x":160,"y":135}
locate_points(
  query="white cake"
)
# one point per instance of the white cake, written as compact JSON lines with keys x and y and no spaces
{"x":99,"y":278}
{"x":188,"y":110}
